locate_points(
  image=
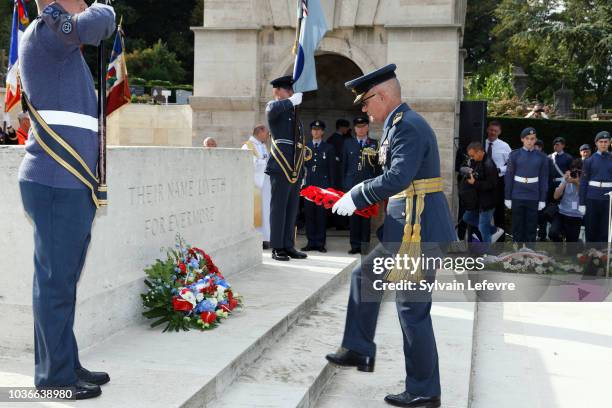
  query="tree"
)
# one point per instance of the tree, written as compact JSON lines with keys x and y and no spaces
{"x":558,"y":42}
{"x":155,"y":63}
{"x":478,"y":39}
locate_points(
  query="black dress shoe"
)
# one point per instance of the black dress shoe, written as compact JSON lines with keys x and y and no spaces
{"x":266,"y":245}
{"x":308,"y":248}
{"x":349,"y":358}
{"x":405,"y":399}
{"x":92,"y":377}
{"x":80,"y":391}
{"x":295,"y":254}
{"x":354,"y":251}
{"x":322,"y":249}
{"x":280,"y":255}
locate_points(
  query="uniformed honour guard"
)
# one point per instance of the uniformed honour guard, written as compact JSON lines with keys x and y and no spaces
{"x":58,"y":186}
{"x":285,"y":167}
{"x":263,"y":191}
{"x":417,"y":215}
{"x":595,"y":184}
{"x":526,"y":186}
{"x":320,"y":172}
{"x":359,"y":163}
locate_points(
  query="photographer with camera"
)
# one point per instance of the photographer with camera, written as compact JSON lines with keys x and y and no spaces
{"x":477,"y":192}
{"x":567,"y":221}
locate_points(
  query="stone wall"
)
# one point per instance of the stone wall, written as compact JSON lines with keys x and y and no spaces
{"x":154,"y":194}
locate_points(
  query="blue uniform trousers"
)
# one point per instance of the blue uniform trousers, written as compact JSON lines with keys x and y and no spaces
{"x":316,"y":224}
{"x":62,"y":220}
{"x":284,"y":205}
{"x":524,"y":220}
{"x":360,"y":232}
{"x":596,"y":220}
{"x":420,"y":353}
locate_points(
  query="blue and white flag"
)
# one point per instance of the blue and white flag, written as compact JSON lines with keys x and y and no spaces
{"x":312,"y":30}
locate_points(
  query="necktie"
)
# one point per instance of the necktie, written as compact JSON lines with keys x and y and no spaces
{"x":316,"y":145}
{"x":490,"y":150}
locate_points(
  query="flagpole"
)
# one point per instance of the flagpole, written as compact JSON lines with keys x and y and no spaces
{"x":102,"y":115}
{"x":298,"y":29}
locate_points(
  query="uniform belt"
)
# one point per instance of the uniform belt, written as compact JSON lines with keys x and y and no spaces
{"x":411,"y":240}
{"x":65,"y":118}
{"x":559,"y":179}
{"x":600,"y":184}
{"x":526,"y":180}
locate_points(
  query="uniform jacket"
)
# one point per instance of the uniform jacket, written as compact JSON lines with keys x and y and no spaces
{"x":281,"y":122}
{"x":598,"y":167}
{"x":409,"y":151}
{"x":527,"y":164}
{"x":356,"y":169}
{"x":60,"y":86}
{"x":320,"y":170}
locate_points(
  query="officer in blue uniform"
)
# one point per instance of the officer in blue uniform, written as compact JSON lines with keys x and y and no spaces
{"x":285,"y":167}
{"x":526,"y":186}
{"x":320,"y":172}
{"x":57,"y":184}
{"x":411,"y":181}
{"x":595,"y":184}
{"x":359,"y":163}
{"x":560,"y":162}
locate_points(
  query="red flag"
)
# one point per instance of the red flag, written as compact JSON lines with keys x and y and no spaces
{"x":117,"y":76}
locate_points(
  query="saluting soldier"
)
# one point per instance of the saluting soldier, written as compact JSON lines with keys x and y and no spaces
{"x":595,"y":184}
{"x":412,"y":183}
{"x":285,"y":168}
{"x":320,"y":172}
{"x":526,"y":187}
{"x":359,"y":163}
{"x":57,"y":184}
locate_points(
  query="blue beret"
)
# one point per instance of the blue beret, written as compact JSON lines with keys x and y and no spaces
{"x":364,"y":83}
{"x":558,"y":140}
{"x":317,"y":124}
{"x":359,"y":120}
{"x":602,"y":135}
{"x":585,"y":147}
{"x":283,"y":82}
{"x":528,"y":131}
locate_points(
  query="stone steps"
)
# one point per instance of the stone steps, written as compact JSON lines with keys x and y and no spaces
{"x":153,"y":369}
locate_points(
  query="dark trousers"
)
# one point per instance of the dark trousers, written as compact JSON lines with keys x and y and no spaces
{"x":524,"y":220}
{"x":564,"y":226}
{"x":316,"y":224}
{"x":499,"y":216}
{"x":542,"y":225}
{"x":284,"y":205}
{"x":62,"y":220}
{"x":596,"y":220}
{"x":420,"y":352}
{"x":360,"y":232}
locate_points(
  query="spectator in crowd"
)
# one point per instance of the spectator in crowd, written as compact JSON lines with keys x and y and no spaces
{"x":480,"y":194}
{"x":209,"y":142}
{"x":526,"y":186}
{"x":585,"y":151}
{"x":337,"y":140}
{"x":498,"y":151}
{"x":595,"y":184}
{"x":537,"y":112}
{"x":24,"y":128}
{"x":567,"y":221}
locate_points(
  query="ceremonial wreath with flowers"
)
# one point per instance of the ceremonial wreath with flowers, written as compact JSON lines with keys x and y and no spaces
{"x":327,"y":197}
{"x":593,"y":262}
{"x":187,"y":291}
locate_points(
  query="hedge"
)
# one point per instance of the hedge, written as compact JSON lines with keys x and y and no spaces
{"x":575,"y":132}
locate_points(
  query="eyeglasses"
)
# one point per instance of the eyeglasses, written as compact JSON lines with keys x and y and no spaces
{"x":363,"y":101}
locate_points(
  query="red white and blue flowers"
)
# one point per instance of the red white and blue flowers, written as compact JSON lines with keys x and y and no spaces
{"x":187,"y":291}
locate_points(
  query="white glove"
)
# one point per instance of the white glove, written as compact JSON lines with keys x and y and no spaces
{"x":296,"y":99}
{"x":345,"y":205}
{"x":508,"y":204}
{"x":541,"y":205}
{"x":582,"y":209}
